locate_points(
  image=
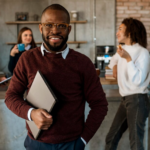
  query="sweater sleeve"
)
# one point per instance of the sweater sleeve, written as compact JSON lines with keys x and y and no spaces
{"x":113,"y":61}
{"x":18,"y":84}
{"x":138,"y":71}
{"x":95,"y":96}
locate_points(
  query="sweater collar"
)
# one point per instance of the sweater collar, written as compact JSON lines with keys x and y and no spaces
{"x":64,"y":52}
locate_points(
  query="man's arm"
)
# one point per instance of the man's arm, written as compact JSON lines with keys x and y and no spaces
{"x":14,"y":97}
{"x":18,"y":84}
{"x":95,"y":96}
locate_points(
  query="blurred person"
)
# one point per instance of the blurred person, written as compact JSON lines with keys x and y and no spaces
{"x":25,"y":37}
{"x":131,"y":67}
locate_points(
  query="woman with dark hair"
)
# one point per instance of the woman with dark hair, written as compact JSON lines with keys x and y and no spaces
{"x":25,"y":37}
{"x":131,"y":66}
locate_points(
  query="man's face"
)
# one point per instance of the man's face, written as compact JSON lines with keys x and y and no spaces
{"x":121,"y":34}
{"x":54,"y":38}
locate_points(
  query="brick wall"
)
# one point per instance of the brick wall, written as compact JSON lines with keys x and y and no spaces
{"x":139,"y":9}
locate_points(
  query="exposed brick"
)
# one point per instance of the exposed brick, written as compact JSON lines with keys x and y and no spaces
{"x":134,"y":0}
{"x":135,"y":7}
{"x":145,"y":19}
{"x":146,"y":23}
{"x":138,"y":9}
{"x":145,"y":16}
{"x":148,"y":31}
{"x":145,"y":0}
{"x":120,"y":11}
{"x":119,"y":19}
{"x":142,"y":4}
{"x":129,"y":3}
{"x":130,"y":11}
{"x":122,"y":15}
{"x":143,"y":11}
{"x":135,"y":15}
{"x":147,"y":27}
{"x":119,"y":3}
{"x":146,"y":7}
{"x":122,"y":0}
{"x":122,"y":8}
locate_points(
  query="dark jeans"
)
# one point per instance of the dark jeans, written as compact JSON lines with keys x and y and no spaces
{"x":31,"y":144}
{"x":132,"y":113}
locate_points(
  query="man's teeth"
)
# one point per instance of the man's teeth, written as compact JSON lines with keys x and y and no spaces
{"x":55,"y":38}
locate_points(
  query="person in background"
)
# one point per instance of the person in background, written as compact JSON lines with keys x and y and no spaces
{"x":1,"y":79}
{"x":74,"y":81}
{"x":25,"y":37}
{"x":131,"y":66}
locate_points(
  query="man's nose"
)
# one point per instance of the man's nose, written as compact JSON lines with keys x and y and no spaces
{"x":55,"y":29}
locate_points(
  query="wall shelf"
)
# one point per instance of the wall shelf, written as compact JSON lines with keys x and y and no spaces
{"x":38,"y":22}
{"x":69,"y":42}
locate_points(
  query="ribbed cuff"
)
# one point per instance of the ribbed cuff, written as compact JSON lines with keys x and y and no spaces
{"x":29,"y":114}
{"x":83,"y":140}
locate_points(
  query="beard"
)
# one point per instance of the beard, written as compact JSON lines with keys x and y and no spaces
{"x":54,"y":48}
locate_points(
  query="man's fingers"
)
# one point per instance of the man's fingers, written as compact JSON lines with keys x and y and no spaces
{"x":46,"y":114}
{"x":41,"y":118}
{"x":46,"y":121}
{"x":45,"y":128}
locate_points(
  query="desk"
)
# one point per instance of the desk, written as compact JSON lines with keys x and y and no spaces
{"x":108,"y":82}
{"x":111,"y":89}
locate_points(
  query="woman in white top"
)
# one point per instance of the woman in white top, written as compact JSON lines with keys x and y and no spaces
{"x":131,"y":67}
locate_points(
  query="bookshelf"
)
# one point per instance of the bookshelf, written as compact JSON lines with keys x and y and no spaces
{"x":38,"y":22}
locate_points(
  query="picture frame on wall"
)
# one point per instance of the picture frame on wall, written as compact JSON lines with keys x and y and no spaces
{"x":21,"y":16}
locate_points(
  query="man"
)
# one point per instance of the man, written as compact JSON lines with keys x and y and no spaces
{"x":73,"y":79}
{"x":131,"y":66}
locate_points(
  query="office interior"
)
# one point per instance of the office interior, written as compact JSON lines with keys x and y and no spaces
{"x":93,"y":34}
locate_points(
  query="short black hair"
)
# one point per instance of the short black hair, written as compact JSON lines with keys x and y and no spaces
{"x":58,"y":7}
{"x":136,"y":30}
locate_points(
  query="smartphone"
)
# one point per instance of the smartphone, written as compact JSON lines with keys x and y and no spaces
{"x":5,"y":80}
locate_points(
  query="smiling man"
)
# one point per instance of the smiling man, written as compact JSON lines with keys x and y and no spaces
{"x":74,"y":81}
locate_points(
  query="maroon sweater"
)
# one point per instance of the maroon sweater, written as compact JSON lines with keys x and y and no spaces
{"x":74,"y":81}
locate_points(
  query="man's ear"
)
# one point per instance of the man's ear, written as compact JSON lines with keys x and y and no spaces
{"x":40,"y":28}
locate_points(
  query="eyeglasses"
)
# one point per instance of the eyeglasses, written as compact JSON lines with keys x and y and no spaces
{"x":60,"y":26}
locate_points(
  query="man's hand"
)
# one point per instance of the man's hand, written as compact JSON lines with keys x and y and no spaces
{"x":124,"y":54}
{"x":115,"y":71}
{"x":41,"y":118}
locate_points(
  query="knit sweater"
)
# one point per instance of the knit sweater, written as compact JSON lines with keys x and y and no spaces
{"x":134,"y":76}
{"x":74,"y":81}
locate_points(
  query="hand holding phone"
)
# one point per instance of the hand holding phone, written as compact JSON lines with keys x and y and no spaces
{"x":5,"y":80}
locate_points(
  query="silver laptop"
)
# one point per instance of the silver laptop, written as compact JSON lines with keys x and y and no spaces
{"x":40,"y":95}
